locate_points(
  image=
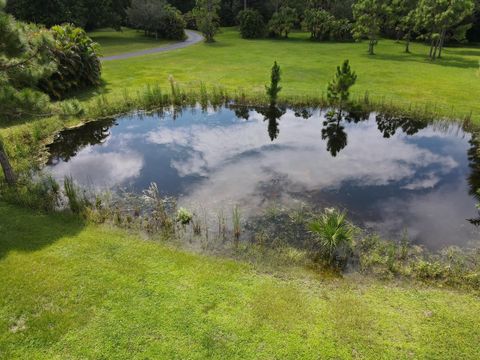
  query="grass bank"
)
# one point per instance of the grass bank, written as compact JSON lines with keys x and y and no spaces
{"x":128,"y":40}
{"x":71,"y":290}
{"x":450,"y":86}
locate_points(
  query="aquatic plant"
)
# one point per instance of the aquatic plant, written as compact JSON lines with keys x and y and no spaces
{"x":184,"y":216}
{"x":159,"y":219}
{"x":42,"y":193}
{"x":76,"y":201}
{"x":333,"y":236}
{"x":236,"y":222}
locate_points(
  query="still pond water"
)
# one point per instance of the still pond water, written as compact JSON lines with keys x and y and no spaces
{"x":392,"y":175}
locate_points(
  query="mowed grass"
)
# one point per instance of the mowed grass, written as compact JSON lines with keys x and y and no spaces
{"x":450,"y":85}
{"x":71,"y":291}
{"x":128,"y":40}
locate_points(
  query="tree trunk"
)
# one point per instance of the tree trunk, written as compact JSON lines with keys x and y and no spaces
{"x":371,"y":45}
{"x":435,"y":49}
{"x":407,"y":45}
{"x":431,"y":48}
{"x":244,"y":4}
{"x":442,"y":41}
{"x":7,"y":168}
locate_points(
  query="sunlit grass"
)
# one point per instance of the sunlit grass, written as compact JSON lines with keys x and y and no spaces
{"x":450,"y":85}
{"x":71,"y":290}
{"x":128,"y":40}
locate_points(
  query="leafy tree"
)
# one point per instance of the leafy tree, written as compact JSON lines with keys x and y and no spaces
{"x":172,"y":24}
{"x":401,"y":19}
{"x":274,"y":88}
{"x":206,"y":16}
{"x":437,"y":17}
{"x":473,"y":34}
{"x":319,"y":23}
{"x":282,"y":21}
{"x":190,"y":22}
{"x":368,"y":15}
{"x":157,"y":18}
{"x":340,"y":9}
{"x":183,"y":5}
{"x":24,"y":58}
{"x":338,"y":90}
{"x":77,"y":62}
{"x":84,"y":13}
{"x":251,"y":23}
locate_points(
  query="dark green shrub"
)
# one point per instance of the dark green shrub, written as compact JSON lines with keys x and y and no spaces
{"x":251,"y":24}
{"x":77,"y":60}
{"x":172,"y":25}
{"x":341,"y":30}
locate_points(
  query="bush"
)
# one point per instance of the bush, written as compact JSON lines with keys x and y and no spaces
{"x":341,"y":30}
{"x":77,"y":60}
{"x":251,"y":24}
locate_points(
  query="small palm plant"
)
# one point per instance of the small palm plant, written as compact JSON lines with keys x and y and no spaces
{"x":334,"y":236}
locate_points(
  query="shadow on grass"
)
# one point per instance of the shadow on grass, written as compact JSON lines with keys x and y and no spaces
{"x":448,"y":61}
{"x":26,"y":230}
{"x":463,"y":52}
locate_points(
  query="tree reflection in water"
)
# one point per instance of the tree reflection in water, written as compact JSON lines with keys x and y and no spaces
{"x":389,"y":124}
{"x":69,"y":142}
{"x":334,"y":132}
{"x":272,"y":114}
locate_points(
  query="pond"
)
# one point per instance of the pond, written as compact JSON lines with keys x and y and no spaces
{"x":392,"y":175}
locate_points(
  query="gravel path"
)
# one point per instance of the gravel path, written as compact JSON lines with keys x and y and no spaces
{"x":192,"y":38}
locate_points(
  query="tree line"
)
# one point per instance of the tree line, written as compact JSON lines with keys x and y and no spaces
{"x":390,"y":16}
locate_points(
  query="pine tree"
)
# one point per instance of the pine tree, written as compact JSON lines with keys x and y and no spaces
{"x":24,"y":59}
{"x":339,"y":88}
{"x":274,"y":88}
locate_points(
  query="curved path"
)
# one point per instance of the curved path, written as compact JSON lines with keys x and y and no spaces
{"x":192,"y":38}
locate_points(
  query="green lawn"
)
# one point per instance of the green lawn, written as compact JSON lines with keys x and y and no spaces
{"x":451,"y":84}
{"x":128,"y":40}
{"x":72,"y":291}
